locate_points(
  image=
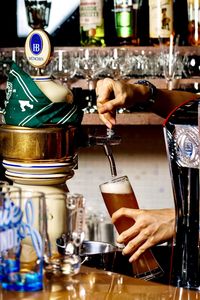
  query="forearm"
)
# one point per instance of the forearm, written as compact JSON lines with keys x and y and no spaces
{"x":166,"y":101}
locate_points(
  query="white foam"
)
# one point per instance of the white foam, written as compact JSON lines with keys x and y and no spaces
{"x":116,"y":188}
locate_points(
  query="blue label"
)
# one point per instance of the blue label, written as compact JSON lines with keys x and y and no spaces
{"x":10,"y":223}
{"x":13,"y":229}
{"x":36,"y":44}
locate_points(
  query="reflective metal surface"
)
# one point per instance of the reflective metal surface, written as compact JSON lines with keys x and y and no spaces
{"x":33,"y":144}
{"x":100,"y":255}
{"x":182,"y":143}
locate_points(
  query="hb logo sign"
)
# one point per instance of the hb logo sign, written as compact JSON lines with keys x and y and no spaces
{"x":36,"y":44}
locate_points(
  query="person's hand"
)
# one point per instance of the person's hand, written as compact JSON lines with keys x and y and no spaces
{"x":150,"y":228}
{"x":111,"y":95}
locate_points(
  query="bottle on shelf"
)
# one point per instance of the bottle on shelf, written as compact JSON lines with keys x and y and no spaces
{"x":193,"y":22}
{"x":126,"y":13}
{"x":160,"y":21}
{"x":91,"y":23}
{"x":180,"y":23}
{"x":143,"y":23}
{"x":109,"y":24}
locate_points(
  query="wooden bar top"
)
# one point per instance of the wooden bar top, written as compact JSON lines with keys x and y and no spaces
{"x":94,"y":284}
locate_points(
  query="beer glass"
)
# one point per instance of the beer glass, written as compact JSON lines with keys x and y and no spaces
{"x":22,"y":239}
{"x":65,"y":223}
{"x":117,"y":193}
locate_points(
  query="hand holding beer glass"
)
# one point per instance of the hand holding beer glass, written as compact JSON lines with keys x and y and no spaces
{"x":118,"y":193}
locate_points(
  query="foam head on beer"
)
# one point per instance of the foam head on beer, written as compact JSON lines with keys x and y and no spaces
{"x":119,"y":185}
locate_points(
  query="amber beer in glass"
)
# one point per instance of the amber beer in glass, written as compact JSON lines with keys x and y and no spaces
{"x":117,"y":193}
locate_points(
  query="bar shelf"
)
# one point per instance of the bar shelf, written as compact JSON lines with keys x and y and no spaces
{"x":136,"y":118}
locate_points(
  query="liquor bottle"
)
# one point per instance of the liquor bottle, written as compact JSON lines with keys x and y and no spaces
{"x":180,"y":25}
{"x":193,"y":22}
{"x":91,"y":23}
{"x":109,"y":24}
{"x":143,"y":23}
{"x":126,"y":12}
{"x":160,"y":21}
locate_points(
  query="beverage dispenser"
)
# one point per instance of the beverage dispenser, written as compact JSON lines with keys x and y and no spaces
{"x":41,"y":115}
{"x":181,"y":131}
{"x":38,"y":140}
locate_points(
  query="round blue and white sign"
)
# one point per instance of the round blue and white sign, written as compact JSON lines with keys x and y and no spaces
{"x":38,"y":48}
{"x":36,"y":44}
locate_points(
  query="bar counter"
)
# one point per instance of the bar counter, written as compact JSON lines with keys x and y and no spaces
{"x":94,"y":284}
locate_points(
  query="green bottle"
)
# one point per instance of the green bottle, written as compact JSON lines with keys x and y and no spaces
{"x":91,"y":23}
{"x":126,"y":12}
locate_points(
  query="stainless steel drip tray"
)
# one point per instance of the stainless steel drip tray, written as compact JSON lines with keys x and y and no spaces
{"x":94,"y":248}
{"x":101,"y":255}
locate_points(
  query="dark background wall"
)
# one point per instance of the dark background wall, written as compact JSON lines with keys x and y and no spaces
{"x":66,"y":35}
{"x":8,"y":28}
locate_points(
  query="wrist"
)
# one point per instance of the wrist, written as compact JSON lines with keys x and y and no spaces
{"x":149,"y":95}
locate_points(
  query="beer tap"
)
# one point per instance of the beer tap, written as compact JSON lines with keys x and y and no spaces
{"x":107,"y":141}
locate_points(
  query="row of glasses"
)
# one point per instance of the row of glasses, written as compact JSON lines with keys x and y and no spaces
{"x":87,"y":63}
{"x":93,"y":64}
{"x":32,"y":227}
